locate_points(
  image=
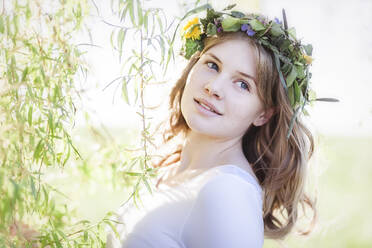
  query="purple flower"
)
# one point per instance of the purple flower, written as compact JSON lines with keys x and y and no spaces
{"x":218,"y":25}
{"x":247,"y":29}
{"x":244,"y":27}
{"x":250,"y":32}
{"x":262,"y":19}
{"x":277,"y":21}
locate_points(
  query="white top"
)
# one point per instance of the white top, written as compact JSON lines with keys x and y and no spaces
{"x":221,"y":207}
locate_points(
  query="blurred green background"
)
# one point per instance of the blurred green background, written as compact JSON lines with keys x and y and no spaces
{"x":344,"y":198}
{"x":341,"y":172}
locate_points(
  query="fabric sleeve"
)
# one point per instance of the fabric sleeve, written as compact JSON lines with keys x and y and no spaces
{"x":227,"y":213}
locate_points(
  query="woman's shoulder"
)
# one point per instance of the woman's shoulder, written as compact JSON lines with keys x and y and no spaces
{"x":227,"y":212}
{"x":230,"y":181}
{"x":243,"y":174}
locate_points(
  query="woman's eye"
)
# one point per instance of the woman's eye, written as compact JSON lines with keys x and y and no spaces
{"x":212,"y":65}
{"x":245,"y":85}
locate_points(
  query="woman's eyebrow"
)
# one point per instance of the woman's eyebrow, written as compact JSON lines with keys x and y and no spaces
{"x":214,"y":56}
{"x":239,"y":72}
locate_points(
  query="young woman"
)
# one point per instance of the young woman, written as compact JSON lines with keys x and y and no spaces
{"x":239,"y":174}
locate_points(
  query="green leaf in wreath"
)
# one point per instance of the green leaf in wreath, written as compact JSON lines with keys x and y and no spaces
{"x":237,"y":14}
{"x":231,"y":24}
{"x":276,"y":29}
{"x":191,"y":47}
{"x":286,"y":68}
{"x":300,"y":71}
{"x":211,"y":29}
{"x":291,"y":77}
{"x":284,"y":45}
{"x":297,"y":92}
{"x":256,"y":25}
{"x":291,"y":96}
{"x":292,"y":32}
{"x":277,"y":64}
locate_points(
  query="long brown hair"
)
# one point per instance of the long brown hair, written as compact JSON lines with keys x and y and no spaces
{"x":280,"y":164}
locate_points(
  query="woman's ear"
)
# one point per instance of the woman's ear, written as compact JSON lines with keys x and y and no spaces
{"x":263,"y":117}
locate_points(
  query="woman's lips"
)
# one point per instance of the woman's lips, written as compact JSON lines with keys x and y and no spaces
{"x":205,"y":111}
{"x":208,"y":105}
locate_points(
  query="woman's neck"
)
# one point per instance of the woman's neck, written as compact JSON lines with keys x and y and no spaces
{"x":202,"y":152}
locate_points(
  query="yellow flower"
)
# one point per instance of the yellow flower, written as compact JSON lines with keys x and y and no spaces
{"x":308,"y":59}
{"x":193,"y":33}
{"x":190,"y":23}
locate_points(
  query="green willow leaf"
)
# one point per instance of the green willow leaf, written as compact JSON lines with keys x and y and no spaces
{"x":124,"y":13}
{"x":67,"y":156}
{"x":124,"y":90}
{"x":146,"y":184}
{"x":33,"y":189}
{"x":85,"y":236}
{"x":160,"y":23}
{"x":146,"y":22}
{"x":8,"y":29}
{"x":170,"y":53}
{"x":2,"y":27}
{"x":112,"y":38}
{"x":51,"y":123}
{"x":28,"y":12}
{"x":161,"y":42}
{"x":139,"y":13}
{"x":16,"y":190}
{"x":153,"y":26}
{"x":73,"y":147}
{"x":190,"y":12}
{"x":196,"y":10}
{"x":56,"y":240}
{"x":131,"y":11}
{"x":29,"y":116}
{"x":135,"y":92}
{"x":113,"y":228}
{"x":120,"y":41}
{"x":38,"y":150}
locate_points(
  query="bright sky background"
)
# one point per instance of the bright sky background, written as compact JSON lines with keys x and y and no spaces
{"x":340,"y":32}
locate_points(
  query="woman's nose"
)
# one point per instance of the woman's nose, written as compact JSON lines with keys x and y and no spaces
{"x":214,"y":87}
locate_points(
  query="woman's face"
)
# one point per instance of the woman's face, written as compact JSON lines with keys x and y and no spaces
{"x":224,"y":76}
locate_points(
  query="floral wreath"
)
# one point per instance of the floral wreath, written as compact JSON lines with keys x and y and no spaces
{"x":292,"y":59}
